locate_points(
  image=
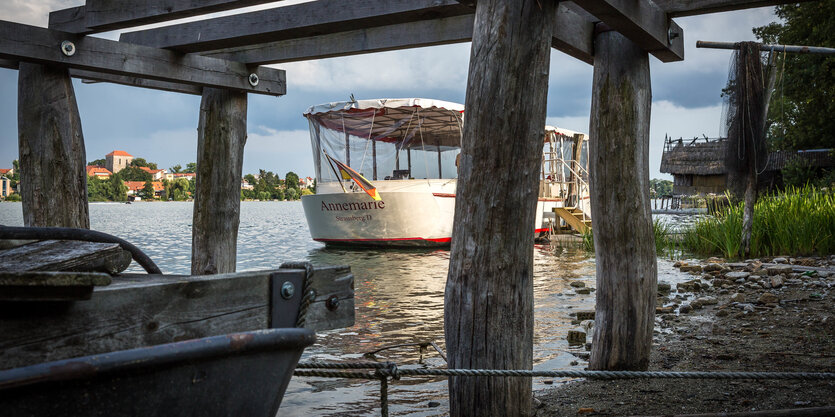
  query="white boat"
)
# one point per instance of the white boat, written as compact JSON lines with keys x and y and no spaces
{"x":386,"y":172}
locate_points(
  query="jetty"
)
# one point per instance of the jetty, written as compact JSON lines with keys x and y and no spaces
{"x":489,"y":301}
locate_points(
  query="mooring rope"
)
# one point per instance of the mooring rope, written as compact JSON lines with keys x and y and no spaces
{"x":307,"y":293}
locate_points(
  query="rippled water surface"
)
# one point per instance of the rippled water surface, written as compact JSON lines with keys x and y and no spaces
{"x":399,"y":298}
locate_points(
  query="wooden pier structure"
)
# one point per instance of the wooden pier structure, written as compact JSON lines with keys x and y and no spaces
{"x":489,"y":293}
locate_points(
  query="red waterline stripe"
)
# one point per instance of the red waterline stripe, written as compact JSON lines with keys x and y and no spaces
{"x":444,"y":195}
{"x":438,"y":240}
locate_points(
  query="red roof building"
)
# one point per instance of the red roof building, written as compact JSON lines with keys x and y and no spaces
{"x":119,"y":153}
{"x":99,"y":172}
{"x":117,"y":161}
{"x":6,"y":171}
{"x":137,"y":186}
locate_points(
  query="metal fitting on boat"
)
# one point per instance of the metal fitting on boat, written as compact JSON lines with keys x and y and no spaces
{"x":68,"y":48}
{"x":287,"y":290}
{"x":332,"y":303}
{"x":253,"y":79}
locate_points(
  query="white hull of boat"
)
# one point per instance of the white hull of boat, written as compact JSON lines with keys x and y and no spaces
{"x":410,"y":213}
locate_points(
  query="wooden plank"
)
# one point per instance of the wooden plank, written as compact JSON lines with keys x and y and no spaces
{"x":488,"y":303}
{"x":678,"y":8}
{"x":49,"y":286}
{"x":104,"y":15}
{"x":66,"y":255}
{"x":333,"y":305}
{"x":51,"y":147}
{"x":221,"y":136}
{"x":291,"y":22}
{"x":572,"y":35}
{"x":643,"y":22}
{"x":144,"y":310}
{"x":91,"y":77}
{"x":38,"y":45}
{"x":623,"y":237}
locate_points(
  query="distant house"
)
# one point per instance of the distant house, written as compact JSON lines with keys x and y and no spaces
{"x":246,"y":186}
{"x":186,"y":175}
{"x":156,"y":174}
{"x":305,"y":182}
{"x":7,"y":172}
{"x":117,"y":161}
{"x":134,"y":187}
{"x":98,"y":172}
{"x":5,"y":187}
{"x":698,"y":165}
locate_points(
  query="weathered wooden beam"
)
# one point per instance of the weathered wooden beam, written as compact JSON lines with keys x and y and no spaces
{"x":571,"y":34}
{"x":292,"y":22}
{"x":488,"y":303}
{"x":103,"y":15}
{"x":65,"y":255}
{"x":221,"y":136}
{"x":643,"y":22}
{"x":144,"y":310}
{"x":678,"y":8}
{"x":91,"y":77}
{"x":623,"y":238}
{"x":51,"y":145}
{"x":33,"y":44}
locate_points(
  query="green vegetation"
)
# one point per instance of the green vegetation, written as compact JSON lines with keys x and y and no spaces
{"x":800,"y":221}
{"x":291,"y":181}
{"x":141,"y":162}
{"x":661,"y":187}
{"x":112,"y":189}
{"x":98,"y":163}
{"x":664,"y":241}
{"x":180,"y":189}
{"x":800,"y":114}
{"x":13,"y":197}
{"x":133,"y":173}
{"x":267,"y":186}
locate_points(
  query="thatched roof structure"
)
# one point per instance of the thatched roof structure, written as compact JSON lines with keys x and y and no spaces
{"x":688,"y":157}
{"x":707,"y":157}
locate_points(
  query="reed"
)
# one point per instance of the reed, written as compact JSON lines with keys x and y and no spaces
{"x":796,"y":222}
{"x":664,"y":243}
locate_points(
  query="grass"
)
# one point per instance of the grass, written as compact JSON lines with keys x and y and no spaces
{"x":796,"y":222}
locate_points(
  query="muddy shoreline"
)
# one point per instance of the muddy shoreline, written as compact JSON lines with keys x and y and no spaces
{"x":770,"y":314}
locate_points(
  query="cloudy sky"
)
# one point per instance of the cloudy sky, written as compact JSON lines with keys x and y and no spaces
{"x":161,"y":127}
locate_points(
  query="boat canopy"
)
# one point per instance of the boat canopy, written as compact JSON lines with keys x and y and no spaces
{"x":387,"y":138}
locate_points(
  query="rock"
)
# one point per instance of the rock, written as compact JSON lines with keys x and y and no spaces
{"x":696,"y":304}
{"x":587,"y":325}
{"x":577,"y":284}
{"x":707,"y":300}
{"x":691,"y":268}
{"x":712,"y":268}
{"x":748,"y":308}
{"x":719,"y":283}
{"x":664,"y":287}
{"x":780,"y":260}
{"x":585,"y":315}
{"x":583,"y":290}
{"x":777,"y":281}
{"x":685,"y":308}
{"x":433,"y":404}
{"x":576,"y":337}
{"x":737,"y":298}
{"x":716,"y":260}
{"x":704,"y":325}
{"x":765,"y":284}
{"x":768,"y":298}
{"x":737,"y":265}
{"x":779,"y":269}
{"x":691,"y":286}
{"x":737,"y":275}
{"x":664,"y":310}
{"x":678,"y":264}
{"x":722,"y":313}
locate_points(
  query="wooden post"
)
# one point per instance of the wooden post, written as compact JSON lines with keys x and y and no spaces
{"x":488,"y":305}
{"x":217,"y":204}
{"x":53,"y":178}
{"x":623,"y":238}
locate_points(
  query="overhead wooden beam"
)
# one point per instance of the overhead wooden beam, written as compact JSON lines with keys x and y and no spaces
{"x":678,"y":8}
{"x":92,"y":77}
{"x":571,"y":34}
{"x":20,"y":42}
{"x":292,"y":22}
{"x":103,"y":15}
{"x":643,"y":22}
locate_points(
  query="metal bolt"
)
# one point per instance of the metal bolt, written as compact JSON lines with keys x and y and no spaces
{"x":287,"y":290}
{"x":253,"y":79}
{"x":332,"y":303}
{"x":68,"y":48}
{"x":671,"y":35}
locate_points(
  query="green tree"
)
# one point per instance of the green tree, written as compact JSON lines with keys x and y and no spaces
{"x":116,"y":189}
{"x":141,"y":162}
{"x":661,"y":187}
{"x":133,"y":173}
{"x":176,"y":169}
{"x":291,"y":180}
{"x":147,"y":190}
{"x":98,"y":163}
{"x":802,"y":105}
{"x":191,"y":167}
{"x":15,"y":178}
{"x":292,"y":194}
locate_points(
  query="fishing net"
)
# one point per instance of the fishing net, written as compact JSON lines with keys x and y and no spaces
{"x":743,"y":117}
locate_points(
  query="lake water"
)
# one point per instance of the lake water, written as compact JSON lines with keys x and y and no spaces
{"x":399,"y":298}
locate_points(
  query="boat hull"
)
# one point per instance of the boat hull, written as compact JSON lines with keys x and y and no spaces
{"x":243,"y":374}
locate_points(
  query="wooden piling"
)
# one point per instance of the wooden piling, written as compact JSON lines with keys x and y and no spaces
{"x":217,"y":203}
{"x":623,"y":237}
{"x":488,"y":307}
{"x":53,"y":176}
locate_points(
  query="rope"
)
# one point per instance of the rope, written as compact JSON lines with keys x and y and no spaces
{"x":390,"y":369}
{"x":307,"y":292}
